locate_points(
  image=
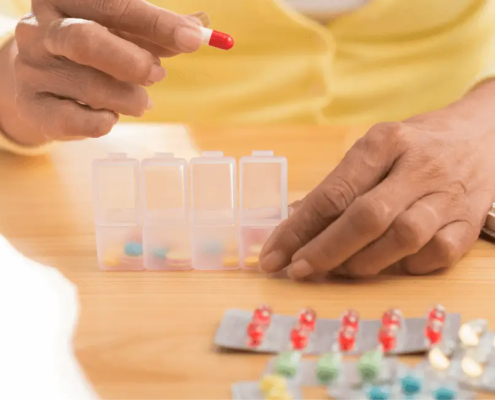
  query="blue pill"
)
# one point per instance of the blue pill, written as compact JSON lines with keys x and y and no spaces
{"x":378,"y":393}
{"x":160,"y":252}
{"x":133,"y":249}
{"x":444,"y":393}
{"x":411,"y":384}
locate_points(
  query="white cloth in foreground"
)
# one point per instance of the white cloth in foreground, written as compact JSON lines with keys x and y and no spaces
{"x":38,"y":315}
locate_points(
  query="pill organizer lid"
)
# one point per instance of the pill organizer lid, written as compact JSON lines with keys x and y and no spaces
{"x":213,"y":188}
{"x":263,"y":188}
{"x":164,"y":188}
{"x":116,"y":190}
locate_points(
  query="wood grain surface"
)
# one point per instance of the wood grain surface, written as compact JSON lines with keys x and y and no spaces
{"x":145,"y":336}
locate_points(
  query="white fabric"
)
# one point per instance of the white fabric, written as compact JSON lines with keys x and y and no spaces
{"x":38,"y":315}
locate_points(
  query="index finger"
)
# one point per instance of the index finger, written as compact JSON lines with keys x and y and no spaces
{"x":163,"y":27}
{"x":362,"y":168}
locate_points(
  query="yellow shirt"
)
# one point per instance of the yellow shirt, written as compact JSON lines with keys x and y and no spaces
{"x":386,"y":61}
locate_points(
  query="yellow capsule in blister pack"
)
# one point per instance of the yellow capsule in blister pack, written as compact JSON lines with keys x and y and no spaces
{"x":278,"y":394}
{"x":230,"y":261}
{"x":471,"y":367}
{"x":438,"y":359}
{"x":269,"y":382}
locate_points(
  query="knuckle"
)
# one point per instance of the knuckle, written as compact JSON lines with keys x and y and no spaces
{"x":335,"y":197}
{"x":371,"y":216}
{"x":74,"y":39}
{"x":25,"y":29}
{"x":445,"y":247}
{"x":139,"y":65}
{"x":384,"y":132}
{"x":407,"y":233}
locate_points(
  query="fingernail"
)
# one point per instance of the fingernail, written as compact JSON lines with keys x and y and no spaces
{"x":189,"y":38}
{"x":203,"y":17}
{"x":157,"y":74}
{"x":299,"y":270}
{"x":149,"y":106}
{"x":273,"y":262}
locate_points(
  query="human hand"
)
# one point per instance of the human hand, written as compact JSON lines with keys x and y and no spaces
{"x":80,"y":63}
{"x":415,"y":192}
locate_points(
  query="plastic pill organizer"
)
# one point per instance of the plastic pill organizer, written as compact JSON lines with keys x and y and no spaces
{"x":164,"y":213}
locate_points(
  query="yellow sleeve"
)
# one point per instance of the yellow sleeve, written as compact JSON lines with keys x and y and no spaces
{"x":9,"y":13}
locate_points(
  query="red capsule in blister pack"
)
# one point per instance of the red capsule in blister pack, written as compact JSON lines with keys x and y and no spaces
{"x":347,"y":338}
{"x":437,"y":313}
{"x":433,"y":331}
{"x":255,"y":334}
{"x":307,"y":319}
{"x":392,"y":317}
{"x":387,"y":336}
{"x":299,"y":337}
{"x":262,"y":315}
{"x":350,"y":319}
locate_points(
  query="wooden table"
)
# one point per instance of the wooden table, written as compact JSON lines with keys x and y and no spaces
{"x":145,"y":335}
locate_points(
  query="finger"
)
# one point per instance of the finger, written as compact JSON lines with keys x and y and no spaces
{"x":165,"y":28}
{"x":408,"y":234}
{"x":88,"y":43}
{"x":444,"y":250}
{"x":362,"y":168}
{"x":367,"y":219}
{"x":91,"y":87}
{"x":152,"y":48}
{"x":60,"y":118}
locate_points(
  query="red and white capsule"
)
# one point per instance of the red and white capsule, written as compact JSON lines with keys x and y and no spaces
{"x":217,"y":39}
{"x":437,"y":313}
{"x":307,"y":319}
{"x":392,"y":317}
{"x":433,"y":331}
{"x":387,"y":336}
{"x":255,"y":334}
{"x":350,"y":319}
{"x":347,"y":338}
{"x":262,"y":315}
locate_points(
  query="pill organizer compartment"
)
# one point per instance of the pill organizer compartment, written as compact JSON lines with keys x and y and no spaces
{"x":263,"y":202}
{"x":214,"y":212}
{"x":117,"y":213}
{"x":164,"y":180}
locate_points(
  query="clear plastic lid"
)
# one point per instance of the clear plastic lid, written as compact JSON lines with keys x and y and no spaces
{"x":116,"y":190}
{"x":263,"y":188}
{"x":164,"y":188}
{"x":213,"y":188}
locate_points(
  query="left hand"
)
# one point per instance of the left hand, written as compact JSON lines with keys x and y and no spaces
{"x":416,"y":192}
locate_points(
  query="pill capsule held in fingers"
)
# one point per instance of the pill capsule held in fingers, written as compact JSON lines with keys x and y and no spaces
{"x":217,"y":39}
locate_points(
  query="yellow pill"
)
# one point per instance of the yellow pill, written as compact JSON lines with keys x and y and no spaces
{"x":178,"y":255}
{"x":231,"y":261}
{"x":251,"y":261}
{"x":255,"y":248}
{"x":112,"y":257}
{"x":272,"y":381}
{"x":278,"y":394}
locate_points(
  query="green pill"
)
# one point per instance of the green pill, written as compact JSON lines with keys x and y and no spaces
{"x":328,"y":367}
{"x":370,"y":364}
{"x":287,"y":363}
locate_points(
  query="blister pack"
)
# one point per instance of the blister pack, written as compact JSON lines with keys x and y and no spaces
{"x":265,"y":332}
{"x":331,"y":370}
{"x":472,"y":361}
{"x":272,"y":388}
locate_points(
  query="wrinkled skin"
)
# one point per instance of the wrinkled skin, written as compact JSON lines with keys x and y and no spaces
{"x":81,"y":63}
{"x":415,"y":193}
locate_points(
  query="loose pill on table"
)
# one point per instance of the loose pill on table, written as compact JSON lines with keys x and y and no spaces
{"x":133,"y":249}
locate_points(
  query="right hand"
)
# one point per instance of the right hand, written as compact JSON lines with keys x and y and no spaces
{"x":80,"y":63}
